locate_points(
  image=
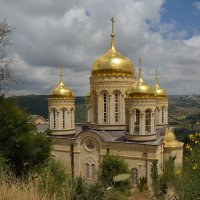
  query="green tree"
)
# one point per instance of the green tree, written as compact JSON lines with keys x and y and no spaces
{"x":112,"y":166}
{"x":20,"y":144}
{"x":187,"y":180}
{"x":155,"y":178}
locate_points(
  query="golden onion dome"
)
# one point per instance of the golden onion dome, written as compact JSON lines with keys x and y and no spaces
{"x":159,"y":92}
{"x":140,"y":88}
{"x":170,"y":139}
{"x":61,"y":90}
{"x":113,"y":63}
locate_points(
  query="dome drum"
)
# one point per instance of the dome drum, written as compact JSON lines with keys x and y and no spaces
{"x":140,"y":138}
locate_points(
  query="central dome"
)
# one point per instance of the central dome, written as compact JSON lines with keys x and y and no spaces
{"x":113,"y":63}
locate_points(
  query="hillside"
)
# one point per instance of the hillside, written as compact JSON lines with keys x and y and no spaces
{"x":38,"y":105}
{"x":183,"y":109}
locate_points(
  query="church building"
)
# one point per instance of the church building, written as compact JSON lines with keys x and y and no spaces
{"x":125,"y":117}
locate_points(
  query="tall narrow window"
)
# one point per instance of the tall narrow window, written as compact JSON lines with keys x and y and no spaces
{"x":71,"y":118}
{"x":93,"y":171}
{"x":87,"y":170}
{"x":104,"y":107}
{"x":54,"y":119}
{"x":162,"y":115}
{"x":63,"y":119}
{"x":127,"y":120}
{"x":95,"y":108}
{"x":137,"y":121}
{"x":148,"y":121}
{"x":116,"y":107}
{"x":134,"y":176}
{"x":156,"y":119}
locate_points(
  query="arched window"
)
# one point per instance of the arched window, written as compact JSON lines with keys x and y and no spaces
{"x":137,"y":121}
{"x":71,"y":118}
{"x":105,"y":109}
{"x":54,"y":119}
{"x":134,"y":176}
{"x":156,"y":116}
{"x":162,"y":114}
{"x":127,"y":120}
{"x":148,"y":121}
{"x":95,"y":117}
{"x":63,"y":118}
{"x":87,"y":171}
{"x":117,"y":107}
{"x":93,"y":171}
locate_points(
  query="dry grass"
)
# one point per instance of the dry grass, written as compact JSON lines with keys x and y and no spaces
{"x":141,"y":196}
{"x":16,"y":190}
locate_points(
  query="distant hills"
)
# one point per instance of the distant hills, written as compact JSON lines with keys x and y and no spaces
{"x":38,"y":105}
{"x":183,"y":109}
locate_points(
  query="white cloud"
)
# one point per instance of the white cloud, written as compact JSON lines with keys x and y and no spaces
{"x":197,"y":5}
{"x":75,"y":33}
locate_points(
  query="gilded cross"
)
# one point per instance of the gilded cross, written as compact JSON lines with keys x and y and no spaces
{"x":60,"y":69}
{"x":60,"y":72}
{"x":113,"y":21}
{"x":140,"y":62}
{"x":156,"y":74}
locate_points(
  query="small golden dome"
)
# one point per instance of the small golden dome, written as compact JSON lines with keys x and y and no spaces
{"x":113,"y":63}
{"x":159,"y":92}
{"x":170,"y":139}
{"x":140,"y":88}
{"x":61,"y":90}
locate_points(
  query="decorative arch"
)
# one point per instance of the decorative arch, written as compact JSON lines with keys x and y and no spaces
{"x":53,"y":108}
{"x":83,"y":136}
{"x":117,"y":91}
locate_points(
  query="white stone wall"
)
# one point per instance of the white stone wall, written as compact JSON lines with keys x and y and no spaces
{"x":109,"y":85}
{"x":58,"y":105}
{"x":141,"y":104}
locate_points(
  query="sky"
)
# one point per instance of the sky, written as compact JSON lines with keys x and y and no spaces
{"x":74,"y":33}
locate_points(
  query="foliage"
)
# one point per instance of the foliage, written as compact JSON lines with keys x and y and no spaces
{"x":51,"y":178}
{"x":183,"y":182}
{"x":155,"y":178}
{"x":20,"y":144}
{"x":116,"y":195}
{"x":142,"y":184}
{"x":169,"y":170}
{"x":159,"y":182}
{"x":12,"y":188}
{"x":3,"y":164}
{"x":6,"y":77}
{"x":112,"y":166}
{"x":187,"y":180}
{"x":86,"y":191}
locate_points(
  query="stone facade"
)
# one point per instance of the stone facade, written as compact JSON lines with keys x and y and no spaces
{"x":125,"y":117}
